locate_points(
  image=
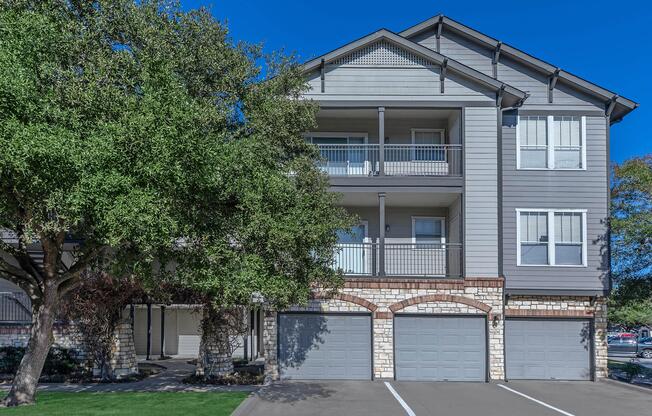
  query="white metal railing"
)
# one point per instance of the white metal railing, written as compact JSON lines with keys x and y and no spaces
{"x":399,"y":159}
{"x":349,"y":159}
{"x":423,"y":159}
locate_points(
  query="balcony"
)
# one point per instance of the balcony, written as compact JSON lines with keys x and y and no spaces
{"x":397,"y":159}
{"x":400,"y":259}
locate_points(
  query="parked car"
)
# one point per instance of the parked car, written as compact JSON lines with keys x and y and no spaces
{"x":630,"y":346}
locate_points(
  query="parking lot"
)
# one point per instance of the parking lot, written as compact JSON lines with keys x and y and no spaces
{"x":377,"y":398}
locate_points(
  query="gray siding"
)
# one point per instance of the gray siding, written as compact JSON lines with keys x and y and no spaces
{"x":518,"y":75}
{"x":480,"y":192}
{"x":536,"y":84}
{"x":560,"y":190}
{"x":457,"y":47}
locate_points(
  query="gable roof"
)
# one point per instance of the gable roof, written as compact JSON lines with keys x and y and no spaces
{"x":615,"y":105}
{"x":511,"y":96}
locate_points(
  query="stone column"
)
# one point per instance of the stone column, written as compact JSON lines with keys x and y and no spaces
{"x":496,"y":347}
{"x":383,"y":343}
{"x":600,"y":338}
{"x":123,"y":357}
{"x":270,"y":342}
{"x":215,"y":358}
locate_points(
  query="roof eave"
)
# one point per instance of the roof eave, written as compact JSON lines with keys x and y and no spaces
{"x":523,"y":57}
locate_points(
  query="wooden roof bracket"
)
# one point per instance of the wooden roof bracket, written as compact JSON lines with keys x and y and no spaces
{"x":496,"y":58}
{"x":440,"y":25}
{"x":499,"y":96}
{"x":442,"y":75}
{"x":322,"y":75}
{"x":552,"y":82}
{"x":609,"y":106}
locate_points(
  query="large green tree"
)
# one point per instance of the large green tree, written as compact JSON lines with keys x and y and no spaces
{"x":149,"y":135}
{"x":631,"y":242}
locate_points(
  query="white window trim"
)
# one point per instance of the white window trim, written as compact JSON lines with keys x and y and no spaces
{"x":346,"y":135}
{"x":551,"y":236}
{"x":550,"y":129}
{"x":418,"y":130}
{"x":442,"y":220}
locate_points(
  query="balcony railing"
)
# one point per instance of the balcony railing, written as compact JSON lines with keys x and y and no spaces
{"x":400,"y":259}
{"x":349,"y":159}
{"x":398,"y":160}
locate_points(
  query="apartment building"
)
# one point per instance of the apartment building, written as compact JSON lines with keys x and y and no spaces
{"x":480,"y":177}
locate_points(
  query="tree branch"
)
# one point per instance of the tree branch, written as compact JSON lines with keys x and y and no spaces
{"x":20,"y":278}
{"x":80,"y":265}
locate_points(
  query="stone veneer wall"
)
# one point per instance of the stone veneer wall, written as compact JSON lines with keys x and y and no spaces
{"x":386,"y":297}
{"x":568,"y":307}
{"x":123,"y":361}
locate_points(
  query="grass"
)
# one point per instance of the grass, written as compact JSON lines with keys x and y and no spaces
{"x":126,"y":404}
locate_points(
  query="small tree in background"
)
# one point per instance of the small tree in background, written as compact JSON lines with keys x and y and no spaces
{"x":631,"y":242}
{"x":95,"y":307}
{"x":148,"y":134}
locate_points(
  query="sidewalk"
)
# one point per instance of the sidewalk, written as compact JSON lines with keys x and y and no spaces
{"x":169,"y":379}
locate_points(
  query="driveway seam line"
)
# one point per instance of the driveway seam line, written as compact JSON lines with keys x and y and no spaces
{"x":563,"y":412}
{"x":400,"y":400}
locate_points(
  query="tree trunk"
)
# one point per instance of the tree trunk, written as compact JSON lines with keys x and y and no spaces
{"x":23,"y":388}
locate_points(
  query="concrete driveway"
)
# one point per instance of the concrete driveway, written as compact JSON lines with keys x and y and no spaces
{"x":395,"y":398}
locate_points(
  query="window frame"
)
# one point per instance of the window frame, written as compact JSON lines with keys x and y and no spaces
{"x":442,"y":221}
{"x":550,"y":146}
{"x":551,"y":236}
{"x":428,"y":130}
{"x":346,"y":135}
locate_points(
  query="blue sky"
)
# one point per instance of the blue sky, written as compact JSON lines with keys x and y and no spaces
{"x":606,"y":42}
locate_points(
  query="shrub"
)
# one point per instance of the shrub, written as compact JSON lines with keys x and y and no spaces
{"x":59,"y":362}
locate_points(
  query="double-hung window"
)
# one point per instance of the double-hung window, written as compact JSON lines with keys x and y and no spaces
{"x":533,"y":142}
{"x":551,"y":142}
{"x":551,"y":237}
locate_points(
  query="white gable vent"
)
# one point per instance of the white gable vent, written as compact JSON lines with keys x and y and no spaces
{"x":382,"y":53}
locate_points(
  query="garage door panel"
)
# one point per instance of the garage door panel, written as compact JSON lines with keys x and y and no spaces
{"x":548,"y":349}
{"x":444,"y":348}
{"x":324,"y":346}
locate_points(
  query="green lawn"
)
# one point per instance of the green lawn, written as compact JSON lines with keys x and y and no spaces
{"x":125,"y":404}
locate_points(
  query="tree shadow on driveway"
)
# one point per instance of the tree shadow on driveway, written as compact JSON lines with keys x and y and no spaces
{"x":292,"y":392}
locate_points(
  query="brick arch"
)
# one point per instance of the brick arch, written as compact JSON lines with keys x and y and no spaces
{"x":439,"y":298}
{"x":345,"y":297}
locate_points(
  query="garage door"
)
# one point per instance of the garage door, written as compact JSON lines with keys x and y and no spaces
{"x":548,"y":349}
{"x":439,"y":348}
{"x":325,"y":346}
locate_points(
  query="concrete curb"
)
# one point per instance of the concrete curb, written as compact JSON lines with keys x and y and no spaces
{"x":625,"y":385}
{"x":247,"y":405}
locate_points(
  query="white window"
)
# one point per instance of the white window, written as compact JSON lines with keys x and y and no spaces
{"x":533,"y":142}
{"x":567,"y":140}
{"x":428,"y":232}
{"x":534,"y":237}
{"x":551,"y":237}
{"x":569,"y":238}
{"x":551,"y":142}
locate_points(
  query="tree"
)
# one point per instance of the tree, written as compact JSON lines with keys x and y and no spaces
{"x":146,"y":133}
{"x":631,"y":242}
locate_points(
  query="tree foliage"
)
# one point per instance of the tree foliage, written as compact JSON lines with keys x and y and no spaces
{"x":148,"y":134}
{"x":631,"y":242}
